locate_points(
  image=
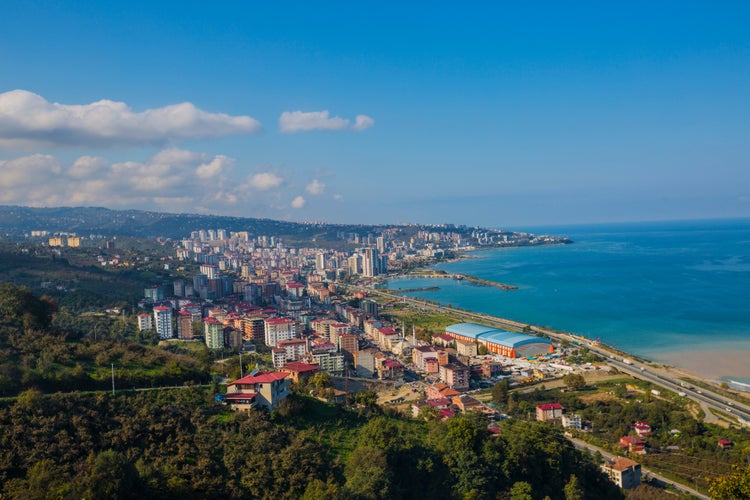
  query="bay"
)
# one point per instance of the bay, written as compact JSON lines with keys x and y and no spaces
{"x":662,"y":290}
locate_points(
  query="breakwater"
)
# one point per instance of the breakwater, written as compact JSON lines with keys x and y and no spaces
{"x":457,"y":277}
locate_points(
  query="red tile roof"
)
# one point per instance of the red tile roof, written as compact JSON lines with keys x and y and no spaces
{"x":279,"y":321}
{"x":260,"y":378}
{"x":550,"y":406}
{"x":299,"y":367}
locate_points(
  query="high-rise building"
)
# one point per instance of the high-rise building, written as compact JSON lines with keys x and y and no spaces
{"x":380,"y":243}
{"x":154,"y":293}
{"x":320,"y":262}
{"x":163,"y":322}
{"x":214,"y":332}
{"x":179,"y":288}
{"x":277,"y":329}
{"x":370,"y":263}
{"x":145,"y":322}
{"x":184,"y":325}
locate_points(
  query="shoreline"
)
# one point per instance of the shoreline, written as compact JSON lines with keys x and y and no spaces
{"x":707,"y":362}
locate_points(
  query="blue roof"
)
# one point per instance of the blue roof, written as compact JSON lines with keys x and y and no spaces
{"x":472,"y":330}
{"x":495,"y":336}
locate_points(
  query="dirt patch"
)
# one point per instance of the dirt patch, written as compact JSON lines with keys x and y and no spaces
{"x":597,"y":396}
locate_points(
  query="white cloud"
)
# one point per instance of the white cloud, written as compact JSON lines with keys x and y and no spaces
{"x":28,"y":120}
{"x":265,"y":181}
{"x":338,"y":197}
{"x":298,"y":202}
{"x":300,"y":121}
{"x":315,"y":187}
{"x":172,"y":180}
{"x":362,"y":122}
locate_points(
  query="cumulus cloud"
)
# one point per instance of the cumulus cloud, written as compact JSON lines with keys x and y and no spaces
{"x":298,"y":202}
{"x":265,"y":181}
{"x":362,"y":122}
{"x":301,"y":121}
{"x":338,"y":197}
{"x":28,"y":120}
{"x":315,"y":187}
{"x":172,"y":180}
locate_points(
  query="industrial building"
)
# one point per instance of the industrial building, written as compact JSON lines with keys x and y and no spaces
{"x":504,"y":343}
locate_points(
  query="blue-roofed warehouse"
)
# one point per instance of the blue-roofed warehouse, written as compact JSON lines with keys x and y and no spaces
{"x":511,"y":344}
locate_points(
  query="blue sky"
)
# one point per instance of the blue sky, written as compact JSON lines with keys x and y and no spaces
{"x":498,"y":115}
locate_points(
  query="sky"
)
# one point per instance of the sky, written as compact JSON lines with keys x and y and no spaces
{"x":481,"y":113}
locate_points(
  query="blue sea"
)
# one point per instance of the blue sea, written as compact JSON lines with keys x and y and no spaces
{"x":646,"y":288}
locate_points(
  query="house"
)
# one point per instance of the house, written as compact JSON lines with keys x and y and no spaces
{"x":642,"y":428}
{"x":442,"y":339}
{"x":437,"y":391}
{"x":299,"y":371}
{"x":264,"y":389}
{"x":549,"y":412}
{"x":572,"y":422}
{"x":455,"y":375}
{"x":725,"y":444}
{"x":634,"y":444}
{"x":624,"y":472}
{"x":465,"y":403}
{"x":466,"y":348}
{"x":391,"y":369}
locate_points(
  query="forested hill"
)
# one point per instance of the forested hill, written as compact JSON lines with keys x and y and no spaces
{"x":103,"y":221}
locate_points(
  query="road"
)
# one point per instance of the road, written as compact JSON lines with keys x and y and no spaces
{"x":581,"y":445}
{"x":659,"y":377}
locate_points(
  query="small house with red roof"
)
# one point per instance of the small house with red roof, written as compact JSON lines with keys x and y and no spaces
{"x":634,"y":444}
{"x":264,"y":389}
{"x":299,"y":371}
{"x":439,"y":390}
{"x":549,"y":412}
{"x":642,"y":428}
{"x":725,"y":444}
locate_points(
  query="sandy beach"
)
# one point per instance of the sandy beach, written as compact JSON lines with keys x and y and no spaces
{"x":720,"y":361}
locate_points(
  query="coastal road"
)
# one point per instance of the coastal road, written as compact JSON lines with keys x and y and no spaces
{"x":659,"y":377}
{"x":583,"y":445}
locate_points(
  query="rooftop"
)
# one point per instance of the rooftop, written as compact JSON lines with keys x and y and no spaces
{"x":260,"y":378}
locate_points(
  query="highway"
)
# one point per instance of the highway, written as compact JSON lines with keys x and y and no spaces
{"x":659,"y":377}
{"x":581,"y":445}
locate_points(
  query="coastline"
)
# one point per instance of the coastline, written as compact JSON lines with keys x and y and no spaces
{"x":713,"y":362}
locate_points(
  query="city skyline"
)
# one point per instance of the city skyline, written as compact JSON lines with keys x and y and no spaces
{"x":492,"y":115}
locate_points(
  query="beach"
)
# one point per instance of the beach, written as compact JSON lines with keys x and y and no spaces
{"x":670,"y":292}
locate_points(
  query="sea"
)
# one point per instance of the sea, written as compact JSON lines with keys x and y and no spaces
{"x":654,"y":289}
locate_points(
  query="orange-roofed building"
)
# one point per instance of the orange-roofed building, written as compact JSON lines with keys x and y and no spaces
{"x":264,"y":389}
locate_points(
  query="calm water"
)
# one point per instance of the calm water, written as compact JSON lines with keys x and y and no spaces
{"x":645,"y":288}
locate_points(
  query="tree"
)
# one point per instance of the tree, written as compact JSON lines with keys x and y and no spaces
{"x":366,"y":398}
{"x":367,"y":473}
{"x":521,"y":491}
{"x":736,"y":484}
{"x":574,"y":381}
{"x":572,"y":489}
{"x":318,"y":490}
{"x":112,"y":476}
{"x":500,"y":392}
{"x":320,"y":381}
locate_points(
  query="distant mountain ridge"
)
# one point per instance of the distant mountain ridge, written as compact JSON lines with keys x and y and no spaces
{"x":139,"y":223}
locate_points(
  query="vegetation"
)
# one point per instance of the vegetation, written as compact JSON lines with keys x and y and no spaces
{"x":179,"y":443}
{"x":37,"y":354}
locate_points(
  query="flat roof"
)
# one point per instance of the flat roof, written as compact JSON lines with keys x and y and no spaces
{"x":472,"y":330}
{"x":494,"y":335}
